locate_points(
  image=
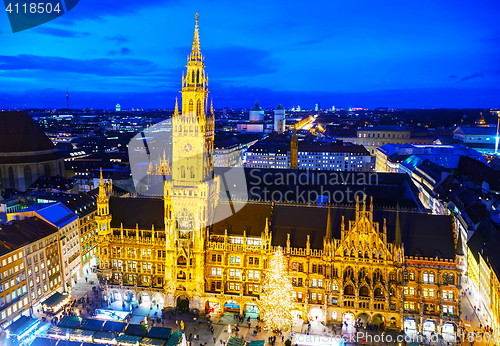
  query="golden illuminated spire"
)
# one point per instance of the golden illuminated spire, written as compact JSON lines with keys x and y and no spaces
{"x":101,"y":181}
{"x":211,"y":106}
{"x":195,"y":51}
{"x":101,"y":198}
{"x":176,"y":109}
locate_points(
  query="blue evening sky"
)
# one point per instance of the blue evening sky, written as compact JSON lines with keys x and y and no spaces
{"x":355,"y":53}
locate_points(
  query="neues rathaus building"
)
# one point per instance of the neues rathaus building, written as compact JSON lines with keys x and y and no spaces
{"x":381,"y":266}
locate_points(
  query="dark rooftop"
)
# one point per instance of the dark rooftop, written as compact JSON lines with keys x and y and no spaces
{"x":22,"y":232}
{"x":422,"y":234}
{"x":141,"y":211}
{"x":20,"y":134}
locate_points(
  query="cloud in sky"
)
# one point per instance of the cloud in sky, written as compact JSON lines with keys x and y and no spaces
{"x":472,"y":76}
{"x":47,"y":30}
{"x":101,"y":66}
{"x":122,"y":51}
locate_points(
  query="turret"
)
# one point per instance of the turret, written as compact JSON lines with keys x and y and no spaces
{"x":103,"y":217}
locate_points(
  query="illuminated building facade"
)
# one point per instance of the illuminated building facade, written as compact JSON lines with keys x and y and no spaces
{"x":85,"y":208}
{"x":483,"y":271}
{"x":347,"y":264}
{"x":29,"y":267}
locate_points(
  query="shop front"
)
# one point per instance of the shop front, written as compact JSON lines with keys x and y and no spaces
{"x":429,"y":326}
{"x":410,"y":324}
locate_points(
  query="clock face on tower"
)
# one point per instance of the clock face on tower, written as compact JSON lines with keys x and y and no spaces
{"x":188,"y":147}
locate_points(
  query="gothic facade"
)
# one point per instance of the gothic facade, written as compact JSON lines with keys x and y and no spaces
{"x":396,"y":268}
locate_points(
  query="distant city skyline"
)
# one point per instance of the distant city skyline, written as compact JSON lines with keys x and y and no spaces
{"x":429,"y":54}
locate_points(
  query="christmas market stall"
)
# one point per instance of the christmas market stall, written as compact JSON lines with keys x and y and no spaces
{"x":43,"y":342}
{"x":161,"y":333}
{"x":81,"y":335}
{"x":105,"y":338}
{"x":137,"y":330}
{"x":114,"y":326}
{"x":175,"y":339}
{"x":233,"y":341}
{"x":54,"y":303}
{"x":68,"y":343}
{"x":128,"y":340}
{"x":21,"y":328}
{"x":57,"y":333}
{"x":69,"y":322}
{"x":152,"y":342}
{"x":91,"y":324}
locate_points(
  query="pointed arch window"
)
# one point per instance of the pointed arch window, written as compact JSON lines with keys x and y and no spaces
{"x":181,"y":261}
{"x":12,"y":183}
{"x":46,"y":169}
{"x":183,"y":172}
{"x":191,"y":171}
{"x":349,"y":290}
{"x":197,"y":76}
{"x":27,"y":177}
{"x":198,"y":109}
{"x":192,"y":77}
{"x":191,"y":106}
{"x":363,"y":291}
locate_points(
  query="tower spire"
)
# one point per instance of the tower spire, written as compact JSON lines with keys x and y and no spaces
{"x":328,"y":224}
{"x":211,"y":106}
{"x":176,"y":109}
{"x":195,"y":51}
{"x":398,"y":228}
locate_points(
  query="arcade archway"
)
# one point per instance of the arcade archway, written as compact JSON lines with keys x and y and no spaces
{"x":212,"y":305}
{"x":316,"y":314}
{"x":157,"y":300}
{"x":182,"y":303}
{"x":378,"y":320}
{"x":252,"y":310}
{"x":410,"y":325}
{"x":232,"y":306}
{"x":143,"y":298}
{"x":362,"y":320}
{"x":115,"y":295}
{"x":348,"y":319}
{"x":129,"y":297}
{"x":429,"y":326}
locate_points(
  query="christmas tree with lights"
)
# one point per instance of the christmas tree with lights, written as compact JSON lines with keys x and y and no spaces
{"x":276,"y":297}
